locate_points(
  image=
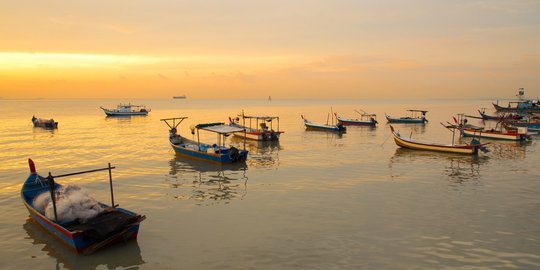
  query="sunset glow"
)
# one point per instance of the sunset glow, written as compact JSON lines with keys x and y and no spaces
{"x":293,"y":50}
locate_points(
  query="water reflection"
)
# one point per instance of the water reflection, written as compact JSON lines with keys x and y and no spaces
{"x":123,"y":255}
{"x":206,"y":182}
{"x":507,"y":149}
{"x":44,"y":131}
{"x":262,"y":154}
{"x":459,"y":168}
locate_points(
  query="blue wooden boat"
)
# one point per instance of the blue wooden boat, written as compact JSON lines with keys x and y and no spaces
{"x":413,"y":117}
{"x":195,"y":149}
{"x":485,"y":116}
{"x":111,"y":226}
{"x":323,"y":127}
{"x":45,"y":123}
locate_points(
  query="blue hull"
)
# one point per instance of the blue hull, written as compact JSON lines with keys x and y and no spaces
{"x":225,"y":157}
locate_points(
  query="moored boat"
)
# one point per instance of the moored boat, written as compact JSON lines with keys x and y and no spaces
{"x":195,"y":149}
{"x":81,"y":223}
{"x":485,"y":116}
{"x":323,"y":127}
{"x":126,"y":110}
{"x":520,"y":106}
{"x":366,"y":119}
{"x":413,"y":117}
{"x":407,"y":142}
{"x":46,"y":123}
{"x":256,"y":127}
{"x":512,"y":135}
{"x":179,"y":97}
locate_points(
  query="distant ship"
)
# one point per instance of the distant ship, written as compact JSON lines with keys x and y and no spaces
{"x":180,"y":97}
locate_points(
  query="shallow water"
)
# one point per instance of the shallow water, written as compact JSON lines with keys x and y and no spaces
{"x":315,"y":200}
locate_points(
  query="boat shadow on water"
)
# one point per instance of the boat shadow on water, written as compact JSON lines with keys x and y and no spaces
{"x":459,"y":168}
{"x":124,"y":255}
{"x":206,"y":183}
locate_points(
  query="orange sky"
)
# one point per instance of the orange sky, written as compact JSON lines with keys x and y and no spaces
{"x":303,"y":49}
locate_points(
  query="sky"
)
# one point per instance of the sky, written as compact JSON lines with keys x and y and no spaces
{"x":254,"y":49}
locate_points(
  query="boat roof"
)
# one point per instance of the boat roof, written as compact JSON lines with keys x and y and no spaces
{"x":264,"y":117}
{"x":424,"y":111}
{"x":220,"y":128}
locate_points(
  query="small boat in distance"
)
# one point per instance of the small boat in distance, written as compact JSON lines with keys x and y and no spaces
{"x":323,"y":127}
{"x":195,"y":149}
{"x":366,"y":119}
{"x":82,"y":224}
{"x":126,"y":110}
{"x":179,"y":97}
{"x":261,"y":131}
{"x":45,"y":123}
{"x":413,"y":117}
{"x":407,"y":142}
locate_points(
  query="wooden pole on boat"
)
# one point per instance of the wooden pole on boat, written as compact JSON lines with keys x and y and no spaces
{"x":110,"y":183}
{"x":51,"y":187}
{"x":198,"y":141}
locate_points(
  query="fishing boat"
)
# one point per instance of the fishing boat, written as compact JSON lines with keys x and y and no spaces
{"x":522,"y":105}
{"x":195,"y":149}
{"x":518,"y":135}
{"x":256,"y":127}
{"x":498,"y":133}
{"x":85,"y":233}
{"x":323,"y":127}
{"x":485,"y":116}
{"x":413,"y":117}
{"x":126,"y":110}
{"x":179,"y":97}
{"x":407,"y":142}
{"x":366,"y":119}
{"x":45,"y":123}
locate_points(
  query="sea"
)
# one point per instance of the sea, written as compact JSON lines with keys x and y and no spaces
{"x":313,"y":200}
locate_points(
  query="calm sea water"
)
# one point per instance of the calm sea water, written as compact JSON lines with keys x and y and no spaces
{"x":315,"y":200}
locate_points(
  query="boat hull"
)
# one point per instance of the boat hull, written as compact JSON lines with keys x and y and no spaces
{"x":77,"y":240}
{"x":226,"y":157}
{"x":417,"y":145}
{"x":405,"y":120}
{"x":353,"y":122}
{"x":509,"y":136}
{"x":113,"y":113}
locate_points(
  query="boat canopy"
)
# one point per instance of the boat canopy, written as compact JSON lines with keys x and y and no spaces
{"x":422,"y":111}
{"x":220,"y":128}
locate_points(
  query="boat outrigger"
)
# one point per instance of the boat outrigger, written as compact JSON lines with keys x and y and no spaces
{"x":45,"y":123}
{"x":126,"y":110}
{"x":413,"y":117}
{"x":407,"y":142}
{"x":261,"y":131}
{"x":366,"y":119}
{"x":80,"y":222}
{"x":195,"y":149}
